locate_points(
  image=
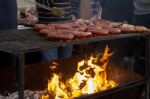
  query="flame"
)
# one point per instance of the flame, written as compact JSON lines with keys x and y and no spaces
{"x":45,"y":97}
{"x":91,"y":77}
{"x":53,"y":66}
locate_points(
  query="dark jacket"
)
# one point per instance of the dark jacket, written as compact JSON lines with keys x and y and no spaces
{"x":117,"y":10}
{"x":8,"y":14}
{"x":114,"y":10}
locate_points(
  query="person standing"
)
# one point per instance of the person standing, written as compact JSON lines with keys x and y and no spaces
{"x":116,"y":11}
{"x":71,"y":8}
{"x":8,"y":14}
{"x":113,"y":10}
{"x":8,"y":20}
{"x":76,"y":8}
{"x":142,"y":12}
{"x":142,"y":18}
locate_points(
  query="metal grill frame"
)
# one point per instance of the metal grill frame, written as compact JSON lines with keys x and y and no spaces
{"x":19,"y":42}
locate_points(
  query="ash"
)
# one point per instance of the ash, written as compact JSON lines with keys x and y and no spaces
{"x":28,"y":94}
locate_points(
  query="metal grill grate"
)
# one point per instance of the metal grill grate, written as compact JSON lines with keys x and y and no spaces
{"x":15,"y":41}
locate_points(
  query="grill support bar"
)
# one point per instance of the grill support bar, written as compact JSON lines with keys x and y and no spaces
{"x":147,"y":68}
{"x":20,"y":68}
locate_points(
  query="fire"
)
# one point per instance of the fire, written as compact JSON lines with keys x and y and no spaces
{"x":91,"y":77}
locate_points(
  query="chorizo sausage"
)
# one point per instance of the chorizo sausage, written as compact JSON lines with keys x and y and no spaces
{"x":126,"y":28}
{"x":141,"y":29}
{"x":39,"y":26}
{"x":99,"y":32}
{"x":62,"y":26}
{"x":60,"y":36}
{"x":114,"y":30}
{"x":80,"y":34}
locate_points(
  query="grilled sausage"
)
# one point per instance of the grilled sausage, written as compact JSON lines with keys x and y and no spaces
{"x":80,"y":34}
{"x":141,"y":29}
{"x":99,"y":32}
{"x":126,"y":28}
{"x":44,"y":32}
{"x":62,"y":26}
{"x":60,"y":36}
{"x":114,"y":30}
{"x":95,"y":27}
{"x":115,"y":24}
{"x":40,"y":26}
{"x":82,"y":28}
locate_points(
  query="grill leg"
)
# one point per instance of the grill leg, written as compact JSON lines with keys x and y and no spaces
{"x":147,"y":69}
{"x":20,"y":72}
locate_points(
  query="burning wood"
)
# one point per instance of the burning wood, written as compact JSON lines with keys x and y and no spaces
{"x":89,"y":78}
{"x":92,"y":76}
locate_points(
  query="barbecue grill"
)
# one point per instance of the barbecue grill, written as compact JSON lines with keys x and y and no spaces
{"x":19,"y":42}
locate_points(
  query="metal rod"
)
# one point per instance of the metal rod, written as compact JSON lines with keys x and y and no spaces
{"x":147,"y":69}
{"x":20,"y":75}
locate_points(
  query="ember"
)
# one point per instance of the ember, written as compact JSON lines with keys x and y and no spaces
{"x":91,"y":77}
